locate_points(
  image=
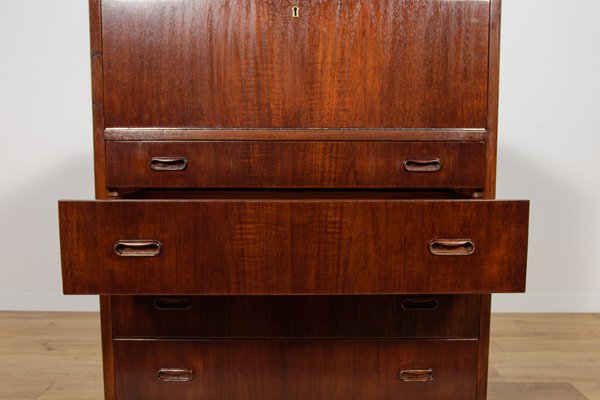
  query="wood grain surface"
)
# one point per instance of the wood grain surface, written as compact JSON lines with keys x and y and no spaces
{"x":296,"y":370}
{"x":288,"y":164}
{"x":249,"y":63}
{"x":97,"y":65}
{"x":293,"y":246}
{"x":243,"y":134}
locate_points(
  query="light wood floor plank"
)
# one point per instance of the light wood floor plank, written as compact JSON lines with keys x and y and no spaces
{"x":553,"y":348}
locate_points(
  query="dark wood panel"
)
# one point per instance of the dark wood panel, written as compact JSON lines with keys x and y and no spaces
{"x":500,"y":236}
{"x":493,"y":97}
{"x":101,"y":189}
{"x":107,"y":335}
{"x":249,"y":63}
{"x":97,"y":65}
{"x":490,"y":186}
{"x":485,"y":311}
{"x":401,"y":135}
{"x":431,"y":316}
{"x":283,"y":164}
{"x":296,"y":370}
{"x":294,"y":246}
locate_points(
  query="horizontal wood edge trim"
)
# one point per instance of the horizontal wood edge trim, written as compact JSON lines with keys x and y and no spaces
{"x":315,"y":200}
{"x":125,"y":134}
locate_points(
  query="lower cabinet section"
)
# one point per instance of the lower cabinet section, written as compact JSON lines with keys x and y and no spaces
{"x":296,"y":369}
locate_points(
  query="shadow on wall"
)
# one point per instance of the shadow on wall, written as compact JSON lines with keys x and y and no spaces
{"x":562,"y":256}
{"x":29,"y":244}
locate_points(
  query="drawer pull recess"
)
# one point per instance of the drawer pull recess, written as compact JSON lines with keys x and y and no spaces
{"x":168,"y":163}
{"x":175,"y":375}
{"x":138,"y":248}
{"x":417,"y":375}
{"x":415,"y":165}
{"x":172,"y":303}
{"x":452,"y":247}
{"x":420,"y":304}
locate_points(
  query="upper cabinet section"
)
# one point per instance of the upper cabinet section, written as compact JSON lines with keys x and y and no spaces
{"x":295,"y":64}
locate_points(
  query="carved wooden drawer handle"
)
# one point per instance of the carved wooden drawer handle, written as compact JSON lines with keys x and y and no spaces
{"x":417,"y":375}
{"x":420,"y":304}
{"x":172,"y":303}
{"x":138,"y":248}
{"x":452,"y":247}
{"x":175,"y":374}
{"x":168,"y":163}
{"x":417,"y":165}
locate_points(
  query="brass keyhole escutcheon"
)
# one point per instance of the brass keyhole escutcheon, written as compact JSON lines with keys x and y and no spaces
{"x":296,"y":12}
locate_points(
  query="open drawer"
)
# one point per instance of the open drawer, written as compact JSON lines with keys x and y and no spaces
{"x":293,"y":246}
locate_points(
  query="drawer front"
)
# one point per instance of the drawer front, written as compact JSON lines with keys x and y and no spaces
{"x":280,"y":164}
{"x":293,"y":246}
{"x":250,"y":63}
{"x":239,"y":317}
{"x":296,"y":370}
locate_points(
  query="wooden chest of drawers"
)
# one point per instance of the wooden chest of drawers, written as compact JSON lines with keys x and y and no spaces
{"x":294,"y":199}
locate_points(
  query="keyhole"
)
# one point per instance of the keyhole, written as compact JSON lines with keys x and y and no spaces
{"x":296,"y":12}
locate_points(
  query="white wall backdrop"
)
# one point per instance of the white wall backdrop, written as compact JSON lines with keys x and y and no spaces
{"x":45,"y":126}
{"x":549,"y":147}
{"x":548,"y":151}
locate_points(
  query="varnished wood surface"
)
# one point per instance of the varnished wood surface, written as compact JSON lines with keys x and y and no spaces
{"x":293,"y":246}
{"x":485,"y":310}
{"x":432,"y":316}
{"x":57,"y":356}
{"x":288,"y":164}
{"x":101,"y":189}
{"x":493,"y":97}
{"x":392,"y":135}
{"x":297,"y":369}
{"x":249,"y":63}
{"x":108,"y":361}
{"x":97,"y":64}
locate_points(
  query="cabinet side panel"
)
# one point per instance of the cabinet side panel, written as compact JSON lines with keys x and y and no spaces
{"x":96,"y":51}
{"x":490,"y":186}
{"x":493,"y":91}
{"x":108,"y":358}
{"x":96,"y":54}
{"x":484,"y":346}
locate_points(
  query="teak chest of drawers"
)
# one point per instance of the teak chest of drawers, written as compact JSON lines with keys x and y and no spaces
{"x":295,"y":199}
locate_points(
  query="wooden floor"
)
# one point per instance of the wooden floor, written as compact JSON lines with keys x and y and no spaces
{"x":533,"y":356}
